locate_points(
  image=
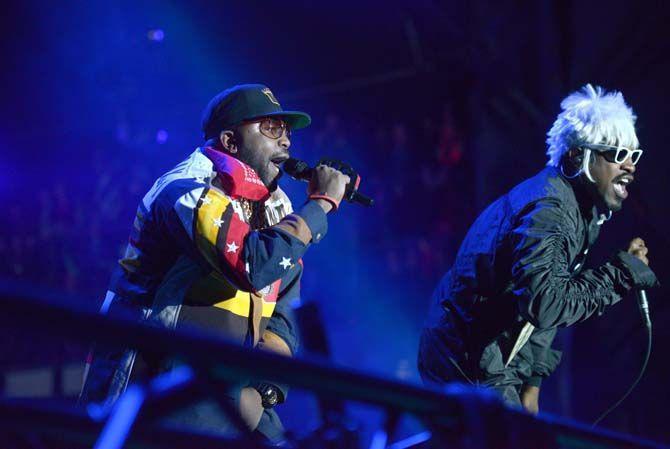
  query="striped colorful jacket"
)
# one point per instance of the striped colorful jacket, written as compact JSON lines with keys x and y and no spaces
{"x":213,"y":211}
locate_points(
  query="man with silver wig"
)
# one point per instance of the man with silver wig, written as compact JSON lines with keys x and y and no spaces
{"x":519,"y":273}
{"x":593,"y":121}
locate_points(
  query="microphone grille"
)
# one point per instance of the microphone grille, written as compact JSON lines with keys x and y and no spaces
{"x":295,"y":168}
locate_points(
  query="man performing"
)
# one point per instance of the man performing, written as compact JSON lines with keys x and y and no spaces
{"x":215,"y":245}
{"x":519,"y":272}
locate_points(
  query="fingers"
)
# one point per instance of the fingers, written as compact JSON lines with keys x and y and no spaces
{"x":638,"y":249}
{"x":250,"y":407}
{"x":329,"y":184}
{"x":636,"y":243}
{"x":334,"y":172}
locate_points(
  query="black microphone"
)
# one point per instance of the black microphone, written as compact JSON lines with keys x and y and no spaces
{"x":299,"y":170}
{"x":644,"y":307}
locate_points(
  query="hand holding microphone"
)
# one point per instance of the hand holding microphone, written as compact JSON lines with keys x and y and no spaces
{"x":330,"y":181}
{"x":638,"y":249}
{"x":327,"y":184}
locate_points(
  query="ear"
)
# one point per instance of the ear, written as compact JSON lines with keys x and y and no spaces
{"x":576,"y":156}
{"x":228,"y":142}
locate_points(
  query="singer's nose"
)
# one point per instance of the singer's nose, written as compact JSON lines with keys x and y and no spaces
{"x":284,"y":141}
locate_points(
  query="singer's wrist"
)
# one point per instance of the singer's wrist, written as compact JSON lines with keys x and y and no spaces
{"x":323,"y":198}
{"x":315,"y":217}
{"x":325,"y":205}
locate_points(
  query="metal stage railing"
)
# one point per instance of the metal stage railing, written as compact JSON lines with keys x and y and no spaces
{"x":459,"y":417}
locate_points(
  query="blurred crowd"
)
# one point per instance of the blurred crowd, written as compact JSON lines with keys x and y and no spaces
{"x":420,"y":177}
{"x":70,"y":233}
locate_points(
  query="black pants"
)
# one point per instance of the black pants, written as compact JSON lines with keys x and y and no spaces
{"x":439,"y":364}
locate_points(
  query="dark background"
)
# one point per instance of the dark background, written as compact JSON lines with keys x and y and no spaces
{"x":441,"y":105}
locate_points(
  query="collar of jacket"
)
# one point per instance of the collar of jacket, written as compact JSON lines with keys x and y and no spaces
{"x":584,"y":200}
{"x":237,"y":178}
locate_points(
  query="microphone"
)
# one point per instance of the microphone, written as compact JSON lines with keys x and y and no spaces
{"x":300,"y":171}
{"x":644,"y":307}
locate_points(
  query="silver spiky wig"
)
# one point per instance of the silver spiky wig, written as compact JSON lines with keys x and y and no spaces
{"x":594,"y":116}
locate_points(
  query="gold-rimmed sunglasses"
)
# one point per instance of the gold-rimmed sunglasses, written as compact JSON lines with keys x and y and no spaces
{"x":272,"y":128}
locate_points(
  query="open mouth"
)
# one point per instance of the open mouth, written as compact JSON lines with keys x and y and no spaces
{"x":278,"y":160}
{"x":620,"y":186}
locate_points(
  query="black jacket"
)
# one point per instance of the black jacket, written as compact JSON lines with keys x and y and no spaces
{"x":517,"y":277}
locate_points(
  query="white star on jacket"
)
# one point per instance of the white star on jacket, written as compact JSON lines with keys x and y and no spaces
{"x":232,"y":247}
{"x":285,"y":262}
{"x":218,"y":222}
{"x":206,"y":200}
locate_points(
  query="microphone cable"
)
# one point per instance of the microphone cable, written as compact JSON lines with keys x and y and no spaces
{"x":647,"y":322}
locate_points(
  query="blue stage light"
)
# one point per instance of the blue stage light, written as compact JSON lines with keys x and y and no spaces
{"x":156,"y":35}
{"x":161,"y":136}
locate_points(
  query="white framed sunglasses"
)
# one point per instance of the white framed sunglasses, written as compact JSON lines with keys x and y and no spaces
{"x":612,"y":153}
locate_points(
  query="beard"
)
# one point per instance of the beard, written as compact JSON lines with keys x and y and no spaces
{"x":272,"y":186}
{"x":265,"y":171}
{"x":603,"y":196}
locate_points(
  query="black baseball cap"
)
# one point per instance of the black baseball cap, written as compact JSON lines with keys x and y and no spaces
{"x":246,"y":102}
